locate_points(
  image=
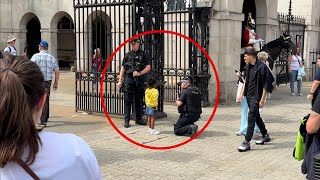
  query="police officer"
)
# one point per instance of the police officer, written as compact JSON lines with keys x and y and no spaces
{"x":189,"y":107}
{"x":135,"y":65}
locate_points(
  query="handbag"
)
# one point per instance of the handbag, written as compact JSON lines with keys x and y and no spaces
{"x":240,"y":85}
{"x":299,"y":148}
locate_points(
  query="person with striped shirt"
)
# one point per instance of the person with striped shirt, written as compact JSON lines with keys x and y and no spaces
{"x":47,"y":64}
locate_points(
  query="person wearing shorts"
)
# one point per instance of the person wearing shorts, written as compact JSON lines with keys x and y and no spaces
{"x":151,"y":98}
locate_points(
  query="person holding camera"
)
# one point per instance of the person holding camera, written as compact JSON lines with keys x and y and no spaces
{"x":189,"y":107}
{"x":258,"y":82}
{"x":135,"y":65}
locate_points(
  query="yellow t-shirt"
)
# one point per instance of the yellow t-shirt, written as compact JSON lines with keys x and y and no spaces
{"x":151,"y":97}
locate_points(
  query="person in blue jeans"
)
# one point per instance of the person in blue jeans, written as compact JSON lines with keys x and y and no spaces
{"x":295,"y":61}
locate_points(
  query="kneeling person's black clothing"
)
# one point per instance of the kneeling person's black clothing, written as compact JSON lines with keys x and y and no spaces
{"x":185,"y":124}
{"x":190,"y":111}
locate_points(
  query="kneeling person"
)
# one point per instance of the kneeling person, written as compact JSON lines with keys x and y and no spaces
{"x":189,"y":107}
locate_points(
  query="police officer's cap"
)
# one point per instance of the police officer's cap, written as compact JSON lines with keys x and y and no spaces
{"x":137,"y":40}
{"x":184,"y":80}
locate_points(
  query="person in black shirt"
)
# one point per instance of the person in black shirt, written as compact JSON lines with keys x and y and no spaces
{"x":313,"y":126}
{"x":135,"y":65}
{"x":258,"y":82}
{"x":189,"y":107}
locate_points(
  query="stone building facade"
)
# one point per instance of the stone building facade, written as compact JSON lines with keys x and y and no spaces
{"x":53,"y":21}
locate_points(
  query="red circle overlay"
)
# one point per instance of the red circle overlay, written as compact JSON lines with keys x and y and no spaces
{"x":189,"y":139}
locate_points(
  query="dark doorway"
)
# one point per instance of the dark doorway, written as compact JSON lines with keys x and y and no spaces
{"x":66,"y":50}
{"x":249,"y":6}
{"x":33,"y":37}
{"x":99,"y":37}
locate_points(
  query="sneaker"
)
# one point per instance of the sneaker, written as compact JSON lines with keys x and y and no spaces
{"x":149,"y":130}
{"x":240,"y":134}
{"x":263,"y":139}
{"x":154,"y":132}
{"x":245,"y":146}
{"x":293,"y":94}
{"x":194,"y":130}
{"x":300,"y":94}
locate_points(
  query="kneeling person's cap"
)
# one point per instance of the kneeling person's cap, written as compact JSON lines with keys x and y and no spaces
{"x":185,"y":80}
{"x":137,"y":40}
{"x":44,"y":44}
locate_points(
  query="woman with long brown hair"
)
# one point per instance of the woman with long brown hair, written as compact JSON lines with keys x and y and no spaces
{"x":25,"y":152}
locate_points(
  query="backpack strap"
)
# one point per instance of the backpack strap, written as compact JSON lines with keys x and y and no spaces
{"x":27,"y":169}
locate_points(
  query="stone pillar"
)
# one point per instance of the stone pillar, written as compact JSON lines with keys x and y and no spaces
{"x":45,"y":36}
{"x":21,"y":36}
{"x":54,"y":43}
{"x":267,"y":28}
{"x":267,"y":19}
{"x":225,"y":48}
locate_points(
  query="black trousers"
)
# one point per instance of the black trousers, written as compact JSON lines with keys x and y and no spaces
{"x":254,"y":117}
{"x":45,"y":111}
{"x":133,"y":95}
{"x":183,"y":125}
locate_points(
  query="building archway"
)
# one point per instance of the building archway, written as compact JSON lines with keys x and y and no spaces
{"x":62,"y":27}
{"x":32,"y":25}
{"x":249,"y":6}
{"x":99,"y":27}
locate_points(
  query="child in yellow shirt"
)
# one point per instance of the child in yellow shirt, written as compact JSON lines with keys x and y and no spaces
{"x":151,"y":98}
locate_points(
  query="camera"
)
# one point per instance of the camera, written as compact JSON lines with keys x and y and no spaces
{"x":238,"y":73}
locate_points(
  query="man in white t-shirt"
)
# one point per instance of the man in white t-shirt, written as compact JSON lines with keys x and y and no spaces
{"x":10,"y":45}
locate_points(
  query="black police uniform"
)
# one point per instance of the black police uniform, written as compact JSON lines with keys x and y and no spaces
{"x":189,"y":111}
{"x":134,"y":87}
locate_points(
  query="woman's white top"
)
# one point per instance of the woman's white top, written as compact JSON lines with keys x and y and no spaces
{"x":61,"y":156}
{"x":295,"y":63}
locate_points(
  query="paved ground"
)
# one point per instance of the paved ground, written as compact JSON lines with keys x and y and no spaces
{"x":212,"y":155}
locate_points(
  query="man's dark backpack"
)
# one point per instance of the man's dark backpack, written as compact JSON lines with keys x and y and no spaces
{"x":194,"y":100}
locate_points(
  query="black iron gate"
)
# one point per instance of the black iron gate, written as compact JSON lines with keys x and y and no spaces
{"x":182,"y":57}
{"x":295,"y":26}
{"x":105,"y":24}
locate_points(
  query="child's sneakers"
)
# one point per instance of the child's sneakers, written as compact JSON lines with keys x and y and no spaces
{"x":154,"y":132}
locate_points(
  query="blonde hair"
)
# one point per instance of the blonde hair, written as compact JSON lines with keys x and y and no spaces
{"x":97,"y":51}
{"x":263,"y":56}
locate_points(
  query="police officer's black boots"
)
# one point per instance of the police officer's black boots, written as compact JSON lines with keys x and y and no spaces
{"x":126,"y":123}
{"x":141,"y":122}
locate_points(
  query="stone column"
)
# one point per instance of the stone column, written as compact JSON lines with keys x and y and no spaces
{"x":225,"y":48}
{"x":21,"y":36}
{"x":45,"y":36}
{"x":54,"y":43}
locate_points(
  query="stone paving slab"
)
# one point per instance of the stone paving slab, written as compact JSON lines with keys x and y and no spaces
{"x":212,"y":155}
